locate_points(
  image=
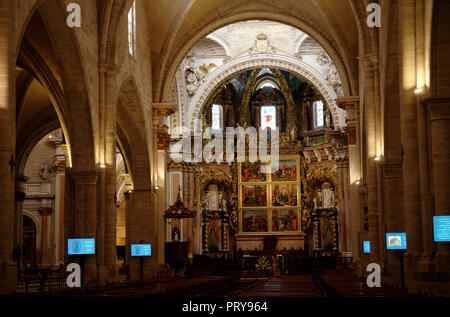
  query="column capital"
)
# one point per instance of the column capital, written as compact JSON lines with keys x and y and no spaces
{"x":351,"y":105}
{"x":392,"y":169}
{"x":348,"y":102}
{"x":438,"y":107}
{"x":45,"y":211}
{"x":164,"y":109}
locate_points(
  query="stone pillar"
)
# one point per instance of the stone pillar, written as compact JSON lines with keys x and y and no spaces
{"x":59,"y":167}
{"x":394,"y":220}
{"x":106,"y":228}
{"x":370,"y":153}
{"x":19,"y":197}
{"x":44,"y":212}
{"x":161,"y":111}
{"x":409,"y":136}
{"x":82,"y":223}
{"x":127,"y":194}
{"x":141,"y":228}
{"x":351,"y":105}
{"x":8,"y":269}
{"x":439,"y":117}
{"x":59,"y":217}
{"x":161,"y":203}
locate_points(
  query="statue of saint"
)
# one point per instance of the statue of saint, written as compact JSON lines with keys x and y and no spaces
{"x":328,"y":197}
{"x":43,"y":172}
{"x":222,"y":202}
{"x":319,"y":199}
{"x":212,"y":200}
{"x":175,"y":234}
{"x":315,"y":203}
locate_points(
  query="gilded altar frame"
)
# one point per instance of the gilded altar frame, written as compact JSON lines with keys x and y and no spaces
{"x":269,"y":208}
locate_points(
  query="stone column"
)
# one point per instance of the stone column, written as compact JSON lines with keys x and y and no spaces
{"x":394,"y":220}
{"x":8,"y":269}
{"x":141,"y":227}
{"x":107,"y":226}
{"x":160,"y":112}
{"x":370,"y":150}
{"x":439,"y":117}
{"x":409,"y":136}
{"x":82,"y":223}
{"x":351,"y":105}
{"x":44,"y":212}
{"x":59,"y":167}
{"x":19,"y":197}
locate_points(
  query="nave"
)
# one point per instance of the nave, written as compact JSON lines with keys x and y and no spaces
{"x":307,"y":285}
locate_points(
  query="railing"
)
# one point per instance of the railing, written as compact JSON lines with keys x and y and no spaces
{"x":32,"y":282}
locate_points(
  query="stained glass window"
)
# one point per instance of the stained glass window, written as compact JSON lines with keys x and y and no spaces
{"x":132,"y":29}
{"x":318,"y":114}
{"x":268,"y":117}
{"x":216,"y":115}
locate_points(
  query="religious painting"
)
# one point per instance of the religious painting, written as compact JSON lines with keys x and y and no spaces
{"x":254,"y":196}
{"x":175,"y":225}
{"x":284,"y":195}
{"x":285,"y":170}
{"x":254,"y":221}
{"x":284,"y":220}
{"x":251,"y":172}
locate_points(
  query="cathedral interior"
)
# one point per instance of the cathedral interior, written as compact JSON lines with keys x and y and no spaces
{"x":109,"y":125}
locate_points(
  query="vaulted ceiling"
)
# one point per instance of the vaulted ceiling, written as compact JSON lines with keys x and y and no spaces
{"x":178,"y":24}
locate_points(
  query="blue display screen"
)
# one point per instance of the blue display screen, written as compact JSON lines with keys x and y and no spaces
{"x":441,"y":226}
{"x":366,"y":245}
{"x":396,"y":241}
{"x":141,"y":250}
{"x":80,"y":246}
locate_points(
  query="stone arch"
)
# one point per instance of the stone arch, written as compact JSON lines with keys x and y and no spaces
{"x":37,"y":233}
{"x":440,"y":29}
{"x":110,"y":15}
{"x":349,"y":83}
{"x":131,"y":132}
{"x":79,"y":116}
{"x":140,"y":212}
{"x":282,"y":62}
{"x":40,"y":71}
{"x":26,"y":148}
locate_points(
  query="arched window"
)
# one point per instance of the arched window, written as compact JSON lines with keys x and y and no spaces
{"x":216,"y":117}
{"x":268,"y":117}
{"x":132,"y":29}
{"x":318,"y":114}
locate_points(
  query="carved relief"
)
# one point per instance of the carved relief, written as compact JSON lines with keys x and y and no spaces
{"x":331,"y":73}
{"x":194,"y":75}
{"x":262,"y":45}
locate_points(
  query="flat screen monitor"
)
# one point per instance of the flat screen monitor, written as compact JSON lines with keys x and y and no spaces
{"x":366,"y":245}
{"x":396,"y":241}
{"x":141,"y":250}
{"x":80,"y":246}
{"x":441,"y":225}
